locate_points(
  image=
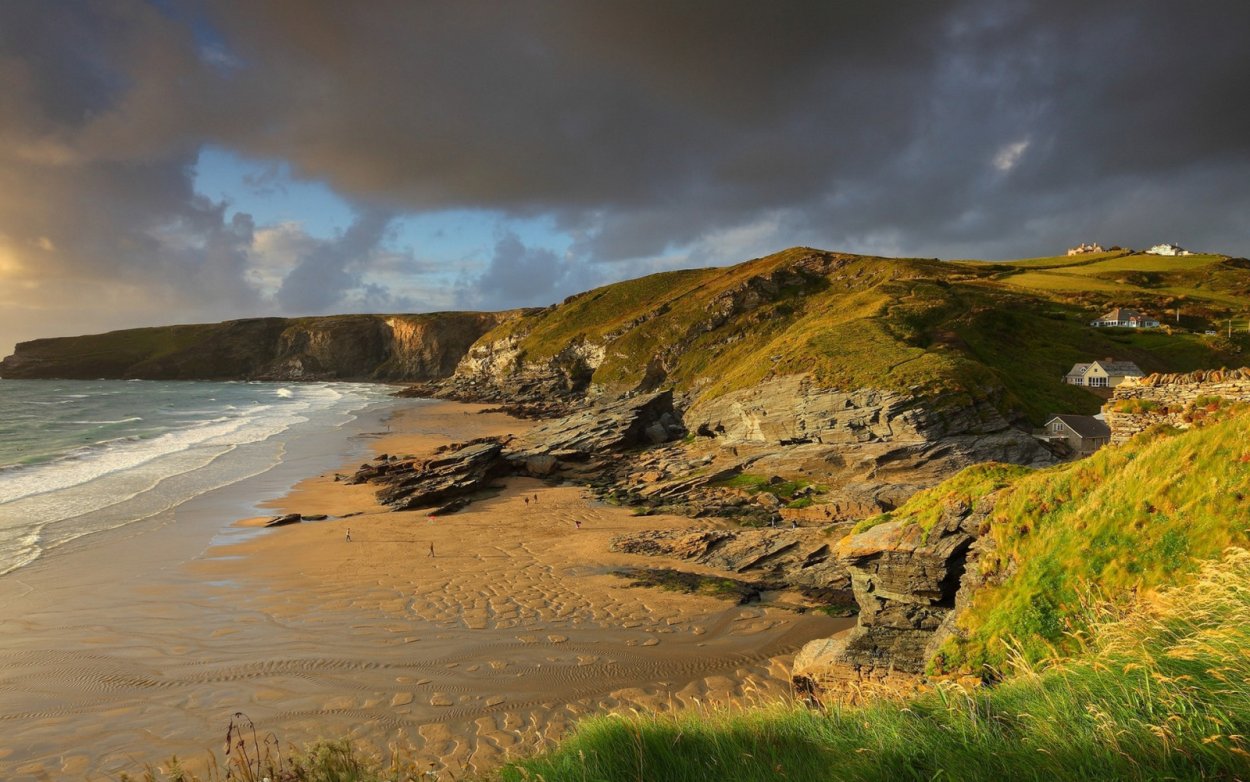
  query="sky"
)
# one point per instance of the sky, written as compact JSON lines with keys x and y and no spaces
{"x":171,"y":161}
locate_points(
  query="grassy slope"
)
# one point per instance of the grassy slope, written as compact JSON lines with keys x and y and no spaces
{"x":1162,"y":692}
{"x":912,"y":325}
{"x":1127,"y":520}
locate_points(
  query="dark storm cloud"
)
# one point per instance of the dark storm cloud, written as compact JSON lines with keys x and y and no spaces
{"x":688,"y":132}
{"x":644,"y":128}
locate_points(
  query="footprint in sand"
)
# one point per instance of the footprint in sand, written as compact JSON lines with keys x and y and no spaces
{"x":441,"y":699}
{"x":401,"y":699}
{"x":557,"y":639}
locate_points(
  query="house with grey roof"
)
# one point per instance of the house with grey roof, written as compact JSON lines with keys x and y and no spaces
{"x":1124,"y":318}
{"x":1084,"y":434}
{"x":1102,"y":374}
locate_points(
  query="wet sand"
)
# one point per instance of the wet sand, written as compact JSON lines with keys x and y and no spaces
{"x":499,"y":642}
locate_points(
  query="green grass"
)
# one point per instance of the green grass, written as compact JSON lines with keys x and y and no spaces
{"x":1053,"y":261}
{"x":1159,"y":692}
{"x":1128,"y":519}
{"x":754,"y":484}
{"x":925,"y":508}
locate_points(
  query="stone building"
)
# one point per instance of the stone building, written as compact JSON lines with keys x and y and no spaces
{"x":1084,"y":434}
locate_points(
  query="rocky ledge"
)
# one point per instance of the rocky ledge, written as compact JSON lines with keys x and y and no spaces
{"x":909,"y":584}
{"x":456,"y":472}
{"x":797,"y":559}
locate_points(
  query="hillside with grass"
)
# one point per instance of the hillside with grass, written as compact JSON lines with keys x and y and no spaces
{"x":1124,"y":523}
{"x":917,"y":326}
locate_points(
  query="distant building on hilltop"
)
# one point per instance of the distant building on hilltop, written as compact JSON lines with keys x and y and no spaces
{"x":1081,"y":249}
{"x":1126,"y":319}
{"x":1084,"y":434}
{"x":1168,"y":249}
{"x":1102,"y":374}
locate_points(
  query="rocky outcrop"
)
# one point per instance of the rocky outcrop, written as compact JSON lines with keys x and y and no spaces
{"x":647,"y":419}
{"x":1178,"y":400}
{"x":794,"y":410}
{"x":458,"y":471}
{"x":909,"y":584}
{"x":497,"y":370}
{"x":343,"y":347}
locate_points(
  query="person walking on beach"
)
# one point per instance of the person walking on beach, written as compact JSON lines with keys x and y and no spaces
{"x":527,"y":501}
{"x":577,"y":523}
{"x":431,"y":548}
{"x":349,"y":534}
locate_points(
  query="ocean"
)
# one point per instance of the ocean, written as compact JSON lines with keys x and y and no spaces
{"x":81,"y":458}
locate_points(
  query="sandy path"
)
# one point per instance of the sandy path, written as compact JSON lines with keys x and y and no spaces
{"x":512,"y":631}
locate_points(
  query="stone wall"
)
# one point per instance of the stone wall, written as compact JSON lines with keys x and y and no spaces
{"x":1169,"y":399}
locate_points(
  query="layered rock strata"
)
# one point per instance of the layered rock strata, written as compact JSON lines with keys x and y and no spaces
{"x":459,"y":470}
{"x":910,"y":584}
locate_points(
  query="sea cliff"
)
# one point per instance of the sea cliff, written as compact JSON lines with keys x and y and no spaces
{"x":409,"y":348}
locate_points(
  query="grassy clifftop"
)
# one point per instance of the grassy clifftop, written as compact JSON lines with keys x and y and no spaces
{"x":914,"y":325}
{"x":1127,"y":521}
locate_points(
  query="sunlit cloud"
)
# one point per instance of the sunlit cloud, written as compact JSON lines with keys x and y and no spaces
{"x":1009,"y":155}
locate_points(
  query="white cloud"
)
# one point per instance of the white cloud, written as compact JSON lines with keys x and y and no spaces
{"x":1009,"y":154}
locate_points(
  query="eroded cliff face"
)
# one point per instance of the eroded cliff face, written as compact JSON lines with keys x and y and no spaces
{"x":345,"y":347}
{"x":498,"y":370}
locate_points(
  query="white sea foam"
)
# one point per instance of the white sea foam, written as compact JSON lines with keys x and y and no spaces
{"x":115,"y":482}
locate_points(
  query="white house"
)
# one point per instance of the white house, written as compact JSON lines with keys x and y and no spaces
{"x":1082,"y":248}
{"x":1168,"y":249}
{"x":1125,"y":318}
{"x":1102,"y":374}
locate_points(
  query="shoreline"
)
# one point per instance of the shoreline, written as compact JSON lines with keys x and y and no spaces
{"x":513,"y":630}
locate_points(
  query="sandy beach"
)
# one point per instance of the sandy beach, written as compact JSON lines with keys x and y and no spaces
{"x":511,"y":630}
